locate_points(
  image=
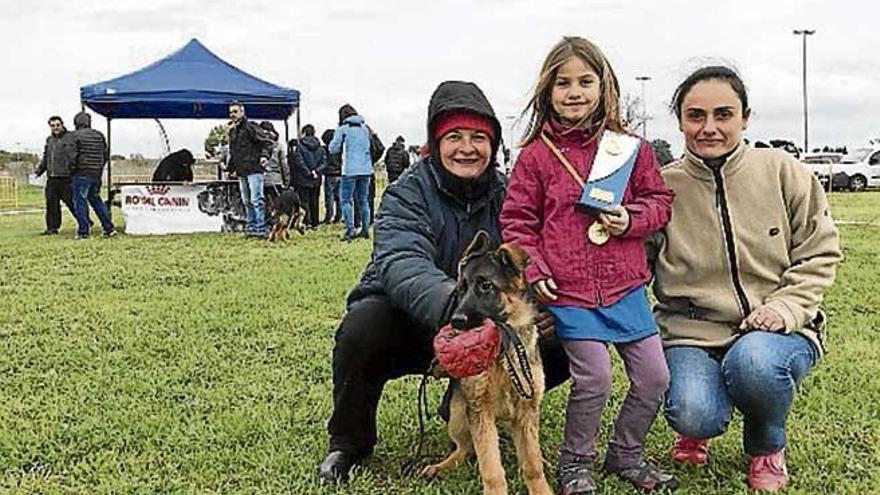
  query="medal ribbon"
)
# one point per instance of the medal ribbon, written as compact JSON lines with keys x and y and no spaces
{"x":564,"y":161}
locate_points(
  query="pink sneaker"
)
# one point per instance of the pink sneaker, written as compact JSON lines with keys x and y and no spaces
{"x":687,"y":450}
{"x":768,"y":472}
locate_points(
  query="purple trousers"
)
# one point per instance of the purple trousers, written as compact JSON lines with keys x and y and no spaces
{"x":590,"y":367}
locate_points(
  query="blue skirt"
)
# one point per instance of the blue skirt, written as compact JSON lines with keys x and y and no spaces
{"x":627,"y":320}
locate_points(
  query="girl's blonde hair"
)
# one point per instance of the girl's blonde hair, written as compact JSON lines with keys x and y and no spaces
{"x":540,"y":107}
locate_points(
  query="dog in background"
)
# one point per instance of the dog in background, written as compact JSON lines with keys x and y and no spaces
{"x":492,"y":285}
{"x":176,"y":167}
{"x":285,"y":212}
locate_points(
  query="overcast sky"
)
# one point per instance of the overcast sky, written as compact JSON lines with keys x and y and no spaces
{"x":385,"y":57}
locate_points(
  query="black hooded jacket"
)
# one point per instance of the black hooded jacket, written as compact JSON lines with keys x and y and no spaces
{"x":90,"y":148}
{"x":396,"y":161}
{"x":428,"y":217}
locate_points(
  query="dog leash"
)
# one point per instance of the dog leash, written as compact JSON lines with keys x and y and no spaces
{"x":522,"y":359}
{"x":412,"y":464}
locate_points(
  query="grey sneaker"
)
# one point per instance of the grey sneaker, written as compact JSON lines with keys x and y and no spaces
{"x":647,"y":477}
{"x":110,"y":233}
{"x":575,"y":477}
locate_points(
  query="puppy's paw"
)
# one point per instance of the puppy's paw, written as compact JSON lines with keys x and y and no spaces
{"x":431,"y":471}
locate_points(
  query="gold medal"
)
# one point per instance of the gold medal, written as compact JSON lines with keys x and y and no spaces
{"x":597,"y":233}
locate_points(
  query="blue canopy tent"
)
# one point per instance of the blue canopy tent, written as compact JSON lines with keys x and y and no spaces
{"x":191,"y":83}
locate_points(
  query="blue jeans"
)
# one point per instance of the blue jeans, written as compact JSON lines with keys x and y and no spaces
{"x":331,"y":197}
{"x":86,"y":191}
{"x":355,"y":188}
{"x":757,"y":375}
{"x":251,"y":189}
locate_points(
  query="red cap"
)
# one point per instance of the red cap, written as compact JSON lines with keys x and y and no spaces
{"x":463,"y":120}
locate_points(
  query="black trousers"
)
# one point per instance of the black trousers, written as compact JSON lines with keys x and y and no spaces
{"x":309,"y":198}
{"x":375,"y":343}
{"x":57,"y":190}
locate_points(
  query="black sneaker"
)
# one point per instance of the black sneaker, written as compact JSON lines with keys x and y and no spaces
{"x":109,"y":234}
{"x":647,"y":477}
{"x":575,"y":477}
{"x":338,"y":465}
{"x":49,"y":232}
{"x":365,"y":234}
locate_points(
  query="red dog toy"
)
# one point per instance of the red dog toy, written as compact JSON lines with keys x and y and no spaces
{"x":464,"y":353}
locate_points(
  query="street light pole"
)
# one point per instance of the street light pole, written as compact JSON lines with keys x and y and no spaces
{"x":803,"y":33}
{"x":643,"y":79}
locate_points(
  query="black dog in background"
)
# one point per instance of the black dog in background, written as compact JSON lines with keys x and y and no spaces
{"x":176,"y":167}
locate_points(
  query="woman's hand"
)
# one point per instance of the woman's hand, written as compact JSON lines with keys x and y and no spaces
{"x":545,"y":290}
{"x":616,"y":220}
{"x":763,"y":318}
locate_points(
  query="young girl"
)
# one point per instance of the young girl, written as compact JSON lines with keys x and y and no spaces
{"x":588,"y":262}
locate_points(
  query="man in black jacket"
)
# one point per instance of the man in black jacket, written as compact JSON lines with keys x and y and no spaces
{"x":249,"y":151}
{"x":57,"y":160}
{"x":407,"y":291}
{"x":396,"y":159}
{"x":90,"y":155}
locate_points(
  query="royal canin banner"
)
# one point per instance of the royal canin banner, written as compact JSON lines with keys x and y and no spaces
{"x":167,"y":209}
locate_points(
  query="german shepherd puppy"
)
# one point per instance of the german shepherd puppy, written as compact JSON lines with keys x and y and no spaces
{"x":491,"y":285}
{"x":285,"y":211}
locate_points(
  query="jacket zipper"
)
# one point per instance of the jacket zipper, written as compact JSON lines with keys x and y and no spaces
{"x":730,"y":247}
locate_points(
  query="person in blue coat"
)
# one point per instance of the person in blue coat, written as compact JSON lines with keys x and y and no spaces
{"x":352,"y":139}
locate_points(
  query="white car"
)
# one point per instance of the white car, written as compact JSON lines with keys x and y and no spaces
{"x":861,"y":167}
{"x":823,"y":163}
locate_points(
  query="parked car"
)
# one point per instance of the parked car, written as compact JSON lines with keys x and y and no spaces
{"x":821,"y":164}
{"x":862,"y":166}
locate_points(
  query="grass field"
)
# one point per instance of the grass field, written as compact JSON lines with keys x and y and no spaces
{"x":201,"y":364}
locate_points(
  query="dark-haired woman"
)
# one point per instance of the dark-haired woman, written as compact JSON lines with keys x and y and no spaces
{"x":739,"y":275}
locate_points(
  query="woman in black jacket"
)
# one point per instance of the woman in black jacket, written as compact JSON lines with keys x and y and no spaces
{"x":407,"y":291}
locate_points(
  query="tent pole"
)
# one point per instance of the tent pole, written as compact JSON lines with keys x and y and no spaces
{"x":109,"y":166}
{"x":298,"y":126}
{"x":286,"y":131}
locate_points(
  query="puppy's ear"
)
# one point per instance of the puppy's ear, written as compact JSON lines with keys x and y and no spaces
{"x":512,"y":258}
{"x":480,"y":244}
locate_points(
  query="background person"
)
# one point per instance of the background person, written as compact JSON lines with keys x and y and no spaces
{"x":332,"y":173}
{"x":91,"y":154}
{"x":396,"y":159}
{"x":310,"y":162}
{"x":739,"y":275}
{"x":277,"y":175}
{"x":176,"y":167}
{"x":58,"y":156}
{"x":352,"y":139}
{"x":249,"y":151}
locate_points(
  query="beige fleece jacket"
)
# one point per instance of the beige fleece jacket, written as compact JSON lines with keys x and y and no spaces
{"x":755,"y":232}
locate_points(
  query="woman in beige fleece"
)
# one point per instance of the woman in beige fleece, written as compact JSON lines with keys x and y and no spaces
{"x":739,"y":276}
